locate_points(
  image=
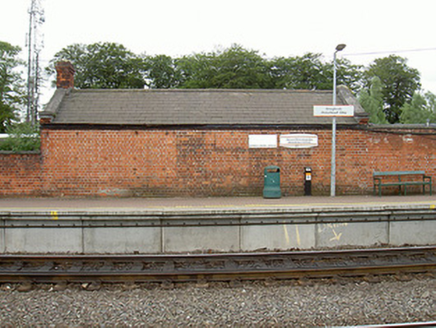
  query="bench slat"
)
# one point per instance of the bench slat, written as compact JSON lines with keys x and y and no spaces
{"x":389,"y":173}
{"x":404,"y":183}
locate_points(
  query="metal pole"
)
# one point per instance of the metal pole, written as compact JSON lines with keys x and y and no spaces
{"x":339,"y":47}
{"x":29,"y":63}
{"x":333,"y":172}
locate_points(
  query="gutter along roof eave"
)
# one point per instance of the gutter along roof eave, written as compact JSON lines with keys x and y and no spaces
{"x":121,"y":126}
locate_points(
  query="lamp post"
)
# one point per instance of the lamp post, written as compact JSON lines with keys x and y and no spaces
{"x":339,"y":47}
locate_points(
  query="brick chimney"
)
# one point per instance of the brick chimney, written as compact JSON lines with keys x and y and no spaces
{"x":65,"y":75}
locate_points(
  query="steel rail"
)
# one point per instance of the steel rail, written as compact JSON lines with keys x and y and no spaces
{"x":216,"y":267}
{"x":399,"y":325}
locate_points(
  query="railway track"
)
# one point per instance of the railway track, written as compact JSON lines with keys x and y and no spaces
{"x":430,"y":324}
{"x":216,"y":267}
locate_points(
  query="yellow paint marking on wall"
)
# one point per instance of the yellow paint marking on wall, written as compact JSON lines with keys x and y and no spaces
{"x":331,"y":226}
{"x":54,"y":215}
{"x":432,"y":207}
{"x":286,"y":234}
{"x":337,"y":235}
{"x":298,"y":235}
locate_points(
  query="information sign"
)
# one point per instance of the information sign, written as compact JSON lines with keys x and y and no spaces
{"x":262,"y":141}
{"x":298,"y":140}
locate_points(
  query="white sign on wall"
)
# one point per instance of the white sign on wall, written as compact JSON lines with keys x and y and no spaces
{"x":299,"y":140}
{"x":333,"y":110}
{"x":262,"y":141}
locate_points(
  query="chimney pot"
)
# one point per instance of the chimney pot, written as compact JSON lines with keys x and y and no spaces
{"x":65,"y":75}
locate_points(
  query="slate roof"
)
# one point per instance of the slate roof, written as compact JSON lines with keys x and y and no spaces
{"x":194,"y":107}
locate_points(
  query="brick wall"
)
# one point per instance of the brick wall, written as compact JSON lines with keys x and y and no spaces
{"x":159,"y":162}
{"x":20,"y":174}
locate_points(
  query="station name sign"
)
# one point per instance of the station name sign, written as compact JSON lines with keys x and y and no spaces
{"x":333,"y":110}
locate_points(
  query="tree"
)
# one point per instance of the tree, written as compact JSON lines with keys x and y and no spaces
{"x":310,"y":72}
{"x":306,"y":72}
{"x":421,"y":109}
{"x":102,"y":66}
{"x":399,"y":83}
{"x":232,"y":68}
{"x":348,"y":74}
{"x":195,"y":71}
{"x":161,"y":72}
{"x":372,"y":101}
{"x":12,"y":90}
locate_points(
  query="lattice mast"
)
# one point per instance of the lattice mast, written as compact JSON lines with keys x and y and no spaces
{"x":34,"y":41}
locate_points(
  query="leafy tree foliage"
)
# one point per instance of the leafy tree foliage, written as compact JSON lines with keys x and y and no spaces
{"x":12,"y":90}
{"x":102,"y":66}
{"x":306,"y":72}
{"x":310,"y":72}
{"x":161,"y":72}
{"x":348,"y":74}
{"x":107,"y":65}
{"x":233,"y":68}
{"x":22,"y":137}
{"x":372,"y":101}
{"x":421,"y":109}
{"x":399,"y":83}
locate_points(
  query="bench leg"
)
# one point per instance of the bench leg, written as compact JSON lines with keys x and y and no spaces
{"x":376,"y":189}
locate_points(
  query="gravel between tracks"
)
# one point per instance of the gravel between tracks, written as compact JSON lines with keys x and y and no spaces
{"x":251,"y":304}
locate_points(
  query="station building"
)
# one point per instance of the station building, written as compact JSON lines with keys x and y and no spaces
{"x":204,"y":143}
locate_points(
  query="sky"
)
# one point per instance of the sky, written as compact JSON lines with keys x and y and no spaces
{"x":371,"y":29}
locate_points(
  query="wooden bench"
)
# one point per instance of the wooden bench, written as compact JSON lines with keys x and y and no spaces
{"x":378,"y":178}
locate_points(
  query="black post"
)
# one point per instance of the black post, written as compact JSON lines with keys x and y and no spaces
{"x":307,"y":181}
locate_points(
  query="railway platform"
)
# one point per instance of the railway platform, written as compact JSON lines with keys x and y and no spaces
{"x":186,"y":225}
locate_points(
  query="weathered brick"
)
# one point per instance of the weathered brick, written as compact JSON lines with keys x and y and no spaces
{"x":159,"y":162}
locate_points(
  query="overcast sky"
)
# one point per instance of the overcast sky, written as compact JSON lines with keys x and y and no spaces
{"x":370,"y":29}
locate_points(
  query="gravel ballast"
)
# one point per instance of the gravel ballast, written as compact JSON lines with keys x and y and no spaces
{"x":249,"y":304}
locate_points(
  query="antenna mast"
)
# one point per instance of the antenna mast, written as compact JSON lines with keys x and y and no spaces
{"x":35,"y":43}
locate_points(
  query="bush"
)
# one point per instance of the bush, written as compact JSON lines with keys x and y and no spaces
{"x":22,"y":137}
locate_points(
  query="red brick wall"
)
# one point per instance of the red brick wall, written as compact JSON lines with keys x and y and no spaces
{"x":20,"y":174}
{"x":160,"y":162}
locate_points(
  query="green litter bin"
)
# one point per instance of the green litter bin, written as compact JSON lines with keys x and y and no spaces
{"x":271,"y":187}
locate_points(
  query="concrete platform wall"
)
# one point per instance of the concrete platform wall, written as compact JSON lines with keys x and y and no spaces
{"x":226,"y":231}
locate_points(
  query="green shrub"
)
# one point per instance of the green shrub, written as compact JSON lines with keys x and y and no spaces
{"x":22,"y":137}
